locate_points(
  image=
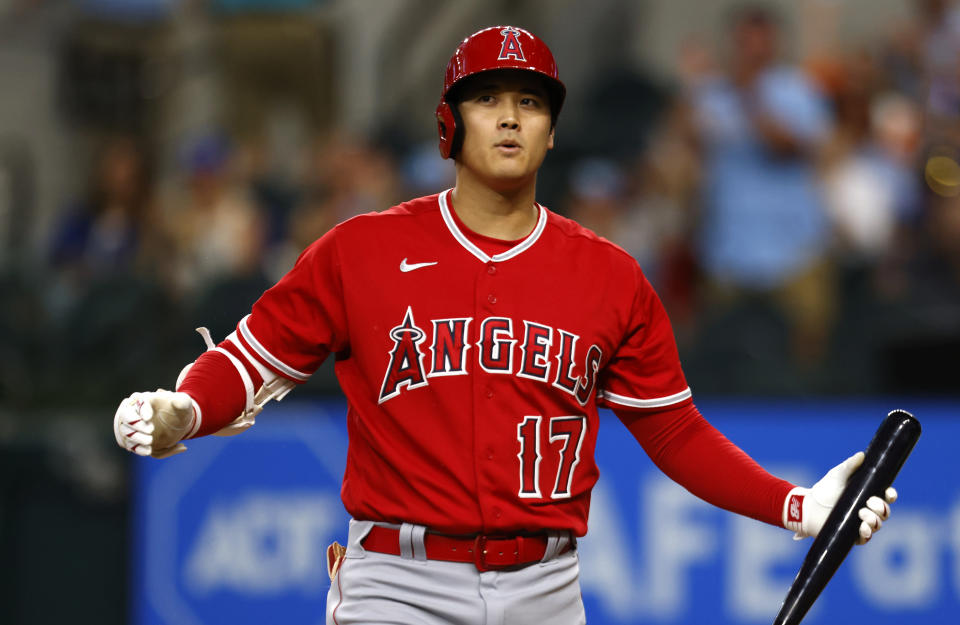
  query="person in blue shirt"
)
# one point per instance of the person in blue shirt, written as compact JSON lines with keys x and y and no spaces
{"x":763,"y":228}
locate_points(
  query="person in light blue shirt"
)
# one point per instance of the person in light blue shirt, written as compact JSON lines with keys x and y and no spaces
{"x":763,"y":227}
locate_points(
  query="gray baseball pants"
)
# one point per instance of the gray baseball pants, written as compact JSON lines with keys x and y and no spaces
{"x":374,"y":588}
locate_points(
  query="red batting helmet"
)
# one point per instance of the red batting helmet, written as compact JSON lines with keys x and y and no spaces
{"x":497,"y":47}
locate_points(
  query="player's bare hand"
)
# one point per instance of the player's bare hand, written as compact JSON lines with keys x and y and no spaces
{"x":154,"y":423}
{"x":807,"y":509}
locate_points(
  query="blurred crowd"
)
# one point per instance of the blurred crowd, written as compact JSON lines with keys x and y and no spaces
{"x":800,"y":221}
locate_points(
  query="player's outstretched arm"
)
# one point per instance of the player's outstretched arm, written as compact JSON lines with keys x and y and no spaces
{"x":702,"y":460}
{"x":291,"y":329}
{"x":211,"y":392}
{"x":805,"y":510}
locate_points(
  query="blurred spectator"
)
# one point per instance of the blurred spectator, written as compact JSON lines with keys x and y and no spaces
{"x":662,"y":211}
{"x":874,"y":187}
{"x":103,"y":307}
{"x":641,"y":213}
{"x":358,"y":177}
{"x":597,"y":196}
{"x":110,"y":229}
{"x":935,"y":280}
{"x":940,"y":58}
{"x":424,"y":171}
{"x":850,"y":81}
{"x":215,"y":228}
{"x":345,"y":176}
{"x":647,"y":208}
{"x":923,"y":337}
{"x":901,"y":59}
{"x":763,"y":229}
{"x":921,"y":59}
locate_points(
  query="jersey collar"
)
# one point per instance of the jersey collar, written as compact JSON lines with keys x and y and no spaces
{"x":471,"y":247}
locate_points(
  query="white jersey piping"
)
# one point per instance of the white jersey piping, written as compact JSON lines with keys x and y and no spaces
{"x":656,"y":402}
{"x":265,"y":373}
{"x":270,"y":359}
{"x":469,"y":245}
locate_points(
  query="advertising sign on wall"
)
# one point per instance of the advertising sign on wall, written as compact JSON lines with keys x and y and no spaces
{"x":235,"y":530}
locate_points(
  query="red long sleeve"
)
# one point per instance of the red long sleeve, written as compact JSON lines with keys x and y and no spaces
{"x":698,"y":457}
{"x":215,"y":384}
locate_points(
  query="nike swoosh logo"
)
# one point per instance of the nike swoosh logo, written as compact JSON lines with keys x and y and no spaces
{"x":405,"y":266}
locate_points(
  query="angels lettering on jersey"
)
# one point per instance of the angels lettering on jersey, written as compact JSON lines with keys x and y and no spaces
{"x":545,"y":354}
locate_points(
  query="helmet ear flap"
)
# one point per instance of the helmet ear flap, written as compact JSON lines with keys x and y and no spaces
{"x":447,"y":127}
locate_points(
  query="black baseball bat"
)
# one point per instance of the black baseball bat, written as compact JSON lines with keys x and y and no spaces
{"x":885,"y":455}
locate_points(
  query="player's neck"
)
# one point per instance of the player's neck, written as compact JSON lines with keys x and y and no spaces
{"x":506,"y":215}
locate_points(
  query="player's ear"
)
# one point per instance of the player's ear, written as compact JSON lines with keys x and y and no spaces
{"x":550,"y":139}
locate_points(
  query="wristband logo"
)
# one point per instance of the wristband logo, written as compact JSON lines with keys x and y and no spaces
{"x":795,"y":512}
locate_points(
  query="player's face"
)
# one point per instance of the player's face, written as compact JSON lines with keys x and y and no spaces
{"x":507,"y":124}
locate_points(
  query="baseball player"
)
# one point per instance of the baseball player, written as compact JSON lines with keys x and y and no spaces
{"x":476,"y":333}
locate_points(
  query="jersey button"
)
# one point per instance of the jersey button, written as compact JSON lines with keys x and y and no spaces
{"x":489,"y":393}
{"x":491,"y":269}
{"x":496,"y":513}
{"x":489,"y":454}
{"x":492,"y":298}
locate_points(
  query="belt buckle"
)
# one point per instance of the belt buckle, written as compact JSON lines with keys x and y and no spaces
{"x":480,"y":551}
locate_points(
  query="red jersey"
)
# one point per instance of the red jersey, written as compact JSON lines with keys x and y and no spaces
{"x":473,"y":382}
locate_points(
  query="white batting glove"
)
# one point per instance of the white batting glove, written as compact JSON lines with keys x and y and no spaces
{"x":153,"y":424}
{"x":806,"y":509}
